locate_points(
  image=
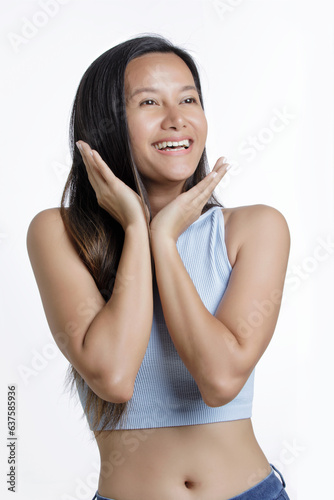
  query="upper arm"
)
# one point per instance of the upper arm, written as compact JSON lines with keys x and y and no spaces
{"x":251,"y":302}
{"x":69,"y":294}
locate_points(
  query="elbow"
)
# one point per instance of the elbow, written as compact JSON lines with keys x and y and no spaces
{"x":111,"y":389}
{"x":119,"y":391}
{"x":217,"y":399}
{"x":220,"y":394}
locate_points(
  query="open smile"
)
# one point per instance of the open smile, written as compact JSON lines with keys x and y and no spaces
{"x":170,"y":148}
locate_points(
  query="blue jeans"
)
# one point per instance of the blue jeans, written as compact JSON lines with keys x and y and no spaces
{"x":271,"y":488}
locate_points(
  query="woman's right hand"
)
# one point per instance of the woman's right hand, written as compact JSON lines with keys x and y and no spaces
{"x":112,"y":194}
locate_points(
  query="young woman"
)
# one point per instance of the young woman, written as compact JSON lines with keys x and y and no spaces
{"x":162,"y":300}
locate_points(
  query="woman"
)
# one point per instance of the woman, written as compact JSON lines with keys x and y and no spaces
{"x":162,"y":300}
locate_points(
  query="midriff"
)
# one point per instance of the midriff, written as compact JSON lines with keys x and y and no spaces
{"x":201,"y":462}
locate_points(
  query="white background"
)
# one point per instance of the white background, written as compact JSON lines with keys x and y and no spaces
{"x":258,"y":59}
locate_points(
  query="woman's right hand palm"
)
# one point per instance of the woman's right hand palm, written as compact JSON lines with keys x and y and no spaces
{"x":112,"y":194}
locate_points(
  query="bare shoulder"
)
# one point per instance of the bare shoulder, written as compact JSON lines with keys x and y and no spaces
{"x":48,"y":240}
{"x":46,"y":226}
{"x":45,"y":218}
{"x":255,"y":223}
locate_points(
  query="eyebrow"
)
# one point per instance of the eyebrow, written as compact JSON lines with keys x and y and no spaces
{"x":152,"y":89}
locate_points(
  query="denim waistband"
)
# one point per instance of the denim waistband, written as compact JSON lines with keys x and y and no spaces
{"x":280,"y":475}
{"x":268,"y":489}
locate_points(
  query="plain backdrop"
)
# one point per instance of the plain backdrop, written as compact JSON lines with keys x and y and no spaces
{"x":267,"y":76}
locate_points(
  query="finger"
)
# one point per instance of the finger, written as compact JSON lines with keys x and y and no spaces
{"x":217,"y":173}
{"x":214,"y":177}
{"x":205,"y":193}
{"x":201,"y":193}
{"x":220,"y":163}
{"x":101,"y":166}
{"x":84,"y":151}
{"x":106,"y":173}
{"x":93,"y":172}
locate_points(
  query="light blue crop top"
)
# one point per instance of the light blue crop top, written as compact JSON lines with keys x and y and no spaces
{"x":165,"y":394}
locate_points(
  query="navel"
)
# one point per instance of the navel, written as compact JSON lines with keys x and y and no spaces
{"x":189,"y":484}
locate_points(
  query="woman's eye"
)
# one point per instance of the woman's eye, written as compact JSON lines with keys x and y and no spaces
{"x":191,"y":99}
{"x":150,"y":101}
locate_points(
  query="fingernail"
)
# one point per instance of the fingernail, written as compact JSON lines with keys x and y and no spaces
{"x":79,"y":146}
{"x":228,"y":167}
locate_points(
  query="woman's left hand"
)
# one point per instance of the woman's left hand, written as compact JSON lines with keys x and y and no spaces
{"x":174,"y":218}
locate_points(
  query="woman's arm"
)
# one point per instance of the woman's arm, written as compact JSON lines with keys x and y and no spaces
{"x":118,"y":336}
{"x":105,"y":342}
{"x":221,"y":351}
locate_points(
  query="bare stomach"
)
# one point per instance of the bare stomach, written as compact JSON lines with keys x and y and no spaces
{"x":196,"y":462}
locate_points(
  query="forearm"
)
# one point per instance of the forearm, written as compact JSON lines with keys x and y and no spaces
{"x":117,"y":338}
{"x":207,"y":347}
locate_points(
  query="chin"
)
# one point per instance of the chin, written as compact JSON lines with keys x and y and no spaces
{"x":171,"y":171}
{"x":181,"y":176}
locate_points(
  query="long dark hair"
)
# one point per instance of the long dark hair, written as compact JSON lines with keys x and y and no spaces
{"x":99,"y":118}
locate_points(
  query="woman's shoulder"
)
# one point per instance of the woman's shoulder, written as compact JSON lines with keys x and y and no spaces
{"x":250,"y":222}
{"x":45,"y":218}
{"x":250,"y":214}
{"x":49,"y":243}
{"x":46,"y":225}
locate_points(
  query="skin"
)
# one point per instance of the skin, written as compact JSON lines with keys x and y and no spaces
{"x":216,"y":461}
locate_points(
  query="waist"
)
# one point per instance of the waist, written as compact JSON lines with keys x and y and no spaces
{"x":216,"y":461}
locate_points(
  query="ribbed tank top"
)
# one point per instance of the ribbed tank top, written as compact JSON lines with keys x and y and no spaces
{"x":165,"y":393}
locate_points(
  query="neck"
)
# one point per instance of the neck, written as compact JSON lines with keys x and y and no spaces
{"x":160,"y":197}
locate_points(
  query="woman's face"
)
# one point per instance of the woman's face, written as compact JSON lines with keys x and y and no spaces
{"x":162,"y":105}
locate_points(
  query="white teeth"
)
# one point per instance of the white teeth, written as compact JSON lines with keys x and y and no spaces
{"x":162,"y":145}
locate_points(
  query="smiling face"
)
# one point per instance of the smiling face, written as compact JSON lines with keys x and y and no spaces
{"x":162,"y":107}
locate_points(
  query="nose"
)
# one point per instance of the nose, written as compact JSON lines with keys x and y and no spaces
{"x":173,"y":118}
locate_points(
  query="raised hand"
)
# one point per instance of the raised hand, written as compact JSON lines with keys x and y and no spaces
{"x":174,"y":218}
{"x":112,"y":194}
